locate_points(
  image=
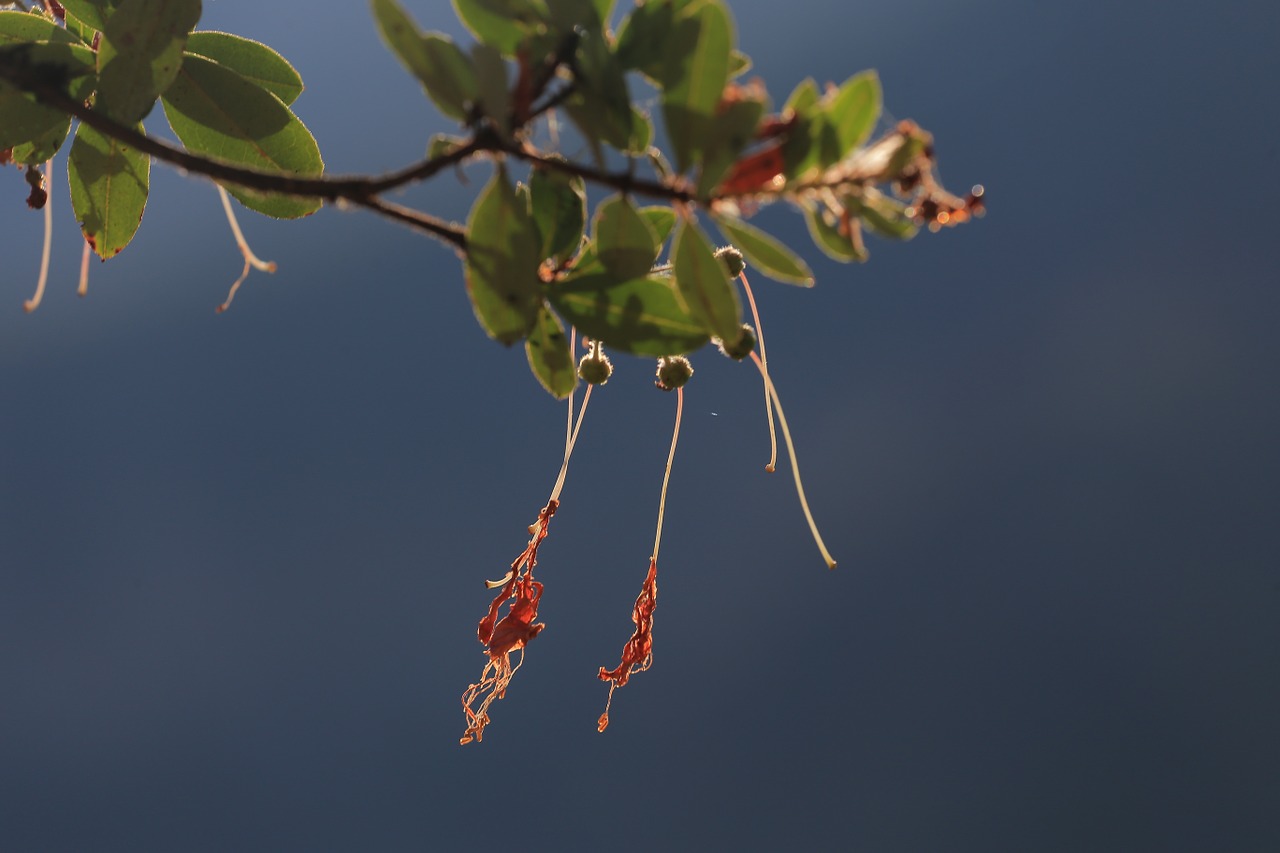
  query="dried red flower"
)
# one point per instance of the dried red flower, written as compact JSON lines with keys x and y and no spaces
{"x":637,"y":654}
{"x":511,"y":633}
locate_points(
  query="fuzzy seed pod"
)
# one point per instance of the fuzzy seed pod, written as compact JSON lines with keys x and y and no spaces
{"x":673,"y":372}
{"x":732,"y":260}
{"x":595,"y":371}
{"x":743,"y":348}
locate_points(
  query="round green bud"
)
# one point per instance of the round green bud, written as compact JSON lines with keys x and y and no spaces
{"x":733,"y":261}
{"x":744,"y":347}
{"x":595,"y":371}
{"x":673,"y":372}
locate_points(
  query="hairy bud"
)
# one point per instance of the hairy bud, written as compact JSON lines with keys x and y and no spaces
{"x":595,"y":370}
{"x":673,"y":372}
{"x":744,"y":347}
{"x":733,"y":261}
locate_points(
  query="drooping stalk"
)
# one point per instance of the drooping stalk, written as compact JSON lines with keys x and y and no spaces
{"x":666,"y":477}
{"x":764,"y":364}
{"x":34,"y":302}
{"x":83,"y":288}
{"x":795,"y":467}
{"x":251,"y":261}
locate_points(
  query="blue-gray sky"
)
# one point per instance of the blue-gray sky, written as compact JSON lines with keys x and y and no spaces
{"x":241,"y":555}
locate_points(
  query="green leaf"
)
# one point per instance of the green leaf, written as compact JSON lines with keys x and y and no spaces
{"x":21,"y":27}
{"x":502,"y":24}
{"x":767,"y":253}
{"x":601,"y":105}
{"x":444,"y":70}
{"x":827,"y":237}
{"x":251,"y":59}
{"x":549,"y":355}
{"x":22,"y":120}
{"x":44,"y":146}
{"x":624,"y":241}
{"x":559,"y":204}
{"x":642,"y":316}
{"x":94,"y":13}
{"x":661,"y":219}
{"x":218,"y":113}
{"x":109,"y":183}
{"x":854,"y":109}
{"x":885,"y":216}
{"x":694,"y":76}
{"x":704,"y":285}
{"x":140,"y":54}
{"x":588,"y":14}
{"x":643,"y":40}
{"x":798,"y":151}
{"x":739,"y":64}
{"x":641,"y":132}
{"x":501,"y":267}
{"x":492,"y":85}
{"x":733,"y":129}
{"x":79,"y":29}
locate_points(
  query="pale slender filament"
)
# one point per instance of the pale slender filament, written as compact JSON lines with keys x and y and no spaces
{"x":250,"y":259}
{"x":573,"y":440}
{"x":34,"y":302}
{"x":83,"y":289}
{"x":795,"y":467}
{"x":666,"y":478}
{"x":573,"y":358}
{"x":764,"y":362}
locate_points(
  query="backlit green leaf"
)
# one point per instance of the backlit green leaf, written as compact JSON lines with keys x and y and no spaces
{"x":624,"y":242}
{"x":140,"y":54}
{"x":503,"y":254}
{"x":661,"y":219}
{"x":704,"y":285}
{"x":732,"y":131}
{"x":444,"y":70}
{"x":93,"y":13}
{"x":492,"y":85}
{"x":20,"y":27}
{"x":502,"y":24}
{"x":883,"y":215}
{"x":643,"y":39}
{"x":109,"y":183}
{"x":642,"y":316}
{"x":79,"y":29}
{"x":251,"y":59}
{"x":767,"y":253}
{"x":43,"y":146}
{"x":799,"y":152}
{"x":827,"y":237}
{"x":22,"y":120}
{"x":588,"y":14}
{"x":216,"y":112}
{"x":854,"y":110}
{"x":550,"y":358}
{"x":559,"y":204}
{"x":694,"y":77}
{"x":601,"y":106}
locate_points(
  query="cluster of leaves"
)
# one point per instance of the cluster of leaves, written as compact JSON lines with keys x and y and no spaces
{"x":225,"y":97}
{"x":534,"y":261}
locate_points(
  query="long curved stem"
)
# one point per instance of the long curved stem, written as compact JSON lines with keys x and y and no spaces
{"x":764,"y":364}
{"x":666,"y":476}
{"x":34,"y":302}
{"x":795,"y":467}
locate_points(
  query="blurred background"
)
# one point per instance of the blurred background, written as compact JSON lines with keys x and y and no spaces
{"x":241,"y":555}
